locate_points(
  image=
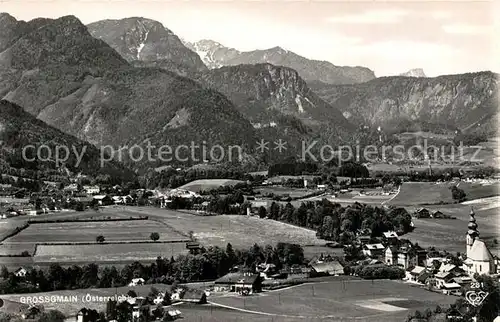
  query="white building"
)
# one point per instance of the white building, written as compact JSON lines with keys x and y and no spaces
{"x":92,"y":190}
{"x":137,"y":281}
{"x":20,"y":272}
{"x":479,"y":258}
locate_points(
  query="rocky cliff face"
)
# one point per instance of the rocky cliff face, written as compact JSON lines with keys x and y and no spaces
{"x":280,"y":106}
{"x":416,"y":72}
{"x":264,"y":92}
{"x":140,"y":39}
{"x":216,"y":55}
{"x":465,"y":101}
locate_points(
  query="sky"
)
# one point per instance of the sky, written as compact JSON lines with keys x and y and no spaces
{"x":389,"y":37}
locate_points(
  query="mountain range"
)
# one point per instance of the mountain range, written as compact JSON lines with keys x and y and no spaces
{"x":82,"y":86}
{"x":216,"y":55}
{"x":465,"y":101}
{"x":132,"y":81}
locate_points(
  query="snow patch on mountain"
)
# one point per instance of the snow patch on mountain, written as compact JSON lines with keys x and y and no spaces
{"x":299,"y":103}
{"x":416,"y":72}
{"x":141,"y":46}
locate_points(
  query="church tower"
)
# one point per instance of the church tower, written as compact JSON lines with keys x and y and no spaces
{"x":472,"y":233}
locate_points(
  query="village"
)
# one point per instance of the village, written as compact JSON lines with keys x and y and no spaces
{"x":357,"y":253}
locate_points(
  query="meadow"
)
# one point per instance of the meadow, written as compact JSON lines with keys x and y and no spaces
{"x":208,"y":184}
{"x":359,"y":300}
{"x":431,"y":193}
{"x":113,"y":231}
{"x":240,"y":231}
{"x":280,"y":191}
{"x":107,"y":253}
{"x":449,"y":234}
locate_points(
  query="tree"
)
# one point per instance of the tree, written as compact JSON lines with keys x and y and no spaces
{"x":100,"y":239}
{"x":458,"y":194}
{"x":52,"y":316}
{"x":111,"y":308}
{"x":4,"y":272}
{"x":124,"y":312}
{"x":153,"y":292}
{"x":154,"y":236}
{"x":262,"y":212}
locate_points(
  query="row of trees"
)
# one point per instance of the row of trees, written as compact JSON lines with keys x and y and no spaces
{"x":340,"y":224}
{"x":205,"y":264}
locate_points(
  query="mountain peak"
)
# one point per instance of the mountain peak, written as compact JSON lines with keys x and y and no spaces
{"x":146,"y":42}
{"x":415,"y":72}
{"x":278,"y":49}
{"x":4,"y":16}
{"x":215,"y":55}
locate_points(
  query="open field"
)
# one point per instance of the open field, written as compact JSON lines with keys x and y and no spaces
{"x":449,"y":234}
{"x":422,"y":193}
{"x":135,"y":230}
{"x":280,"y":179}
{"x":334,"y":300}
{"x":208,"y":184}
{"x":279,"y":191}
{"x":240,"y":231}
{"x":101,"y":254}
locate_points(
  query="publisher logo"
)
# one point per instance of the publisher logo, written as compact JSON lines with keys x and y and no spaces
{"x":476,"y":298}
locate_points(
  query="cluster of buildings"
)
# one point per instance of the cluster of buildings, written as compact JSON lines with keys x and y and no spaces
{"x":15,"y":202}
{"x":442,"y":273}
{"x":425,"y":213}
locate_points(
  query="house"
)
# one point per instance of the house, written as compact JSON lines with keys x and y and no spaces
{"x":407,"y":258}
{"x":71,"y":189}
{"x":194,"y":296}
{"x":422,"y":213}
{"x":437,"y":214}
{"x":240,"y":282}
{"x":452,"y":288}
{"x":391,"y":255}
{"x":364,"y":239}
{"x":442,"y":278}
{"x":462,"y":280}
{"x":103,"y":200}
{"x":87,"y":315}
{"x":414,"y":274}
{"x":137,"y":281}
{"x":172,"y":315}
{"x":327,"y":268}
{"x":92,"y":190}
{"x":265,"y":270}
{"x":390,"y":236}
{"x":373,"y":250}
{"x":450,"y":268}
{"x":20,"y":272}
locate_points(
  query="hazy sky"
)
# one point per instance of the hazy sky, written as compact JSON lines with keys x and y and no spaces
{"x":442,"y":37}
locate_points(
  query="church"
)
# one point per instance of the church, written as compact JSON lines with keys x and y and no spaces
{"x":479,"y":258}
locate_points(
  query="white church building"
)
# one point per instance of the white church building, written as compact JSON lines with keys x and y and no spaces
{"x":479,"y":258}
